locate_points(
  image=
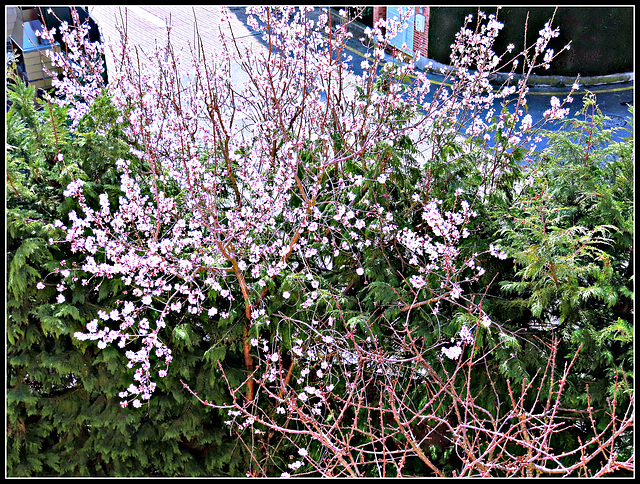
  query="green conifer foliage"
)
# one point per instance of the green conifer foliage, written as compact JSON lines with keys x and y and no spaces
{"x":63,"y":411}
{"x":569,"y":231}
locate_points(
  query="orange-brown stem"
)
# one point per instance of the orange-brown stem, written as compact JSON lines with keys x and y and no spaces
{"x":248,"y":363}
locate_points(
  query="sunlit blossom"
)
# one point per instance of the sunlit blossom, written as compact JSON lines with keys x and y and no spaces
{"x":453,"y":353}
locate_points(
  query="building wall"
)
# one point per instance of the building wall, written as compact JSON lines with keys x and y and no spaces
{"x":602,"y":38}
{"x":14,"y":21}
{"x":378,"y":13}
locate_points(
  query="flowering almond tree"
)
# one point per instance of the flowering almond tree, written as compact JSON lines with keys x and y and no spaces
{"x":305,"y":220}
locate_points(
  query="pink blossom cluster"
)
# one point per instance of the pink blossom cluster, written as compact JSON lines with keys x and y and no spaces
{"x":82,"y":68}
{"x":546,"y":34}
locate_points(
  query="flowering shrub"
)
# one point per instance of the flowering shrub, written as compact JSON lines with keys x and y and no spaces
{"x":321,"y":219}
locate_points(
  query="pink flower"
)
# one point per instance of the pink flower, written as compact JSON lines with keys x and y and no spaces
{"x":417,"y":281}
{"x":128,"y":307}
{"x":452,"y":353}
{"x":465,"y":335}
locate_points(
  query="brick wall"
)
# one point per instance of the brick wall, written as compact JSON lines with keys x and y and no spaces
{"x":421,"y":39}
{"x":378,"y":13}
